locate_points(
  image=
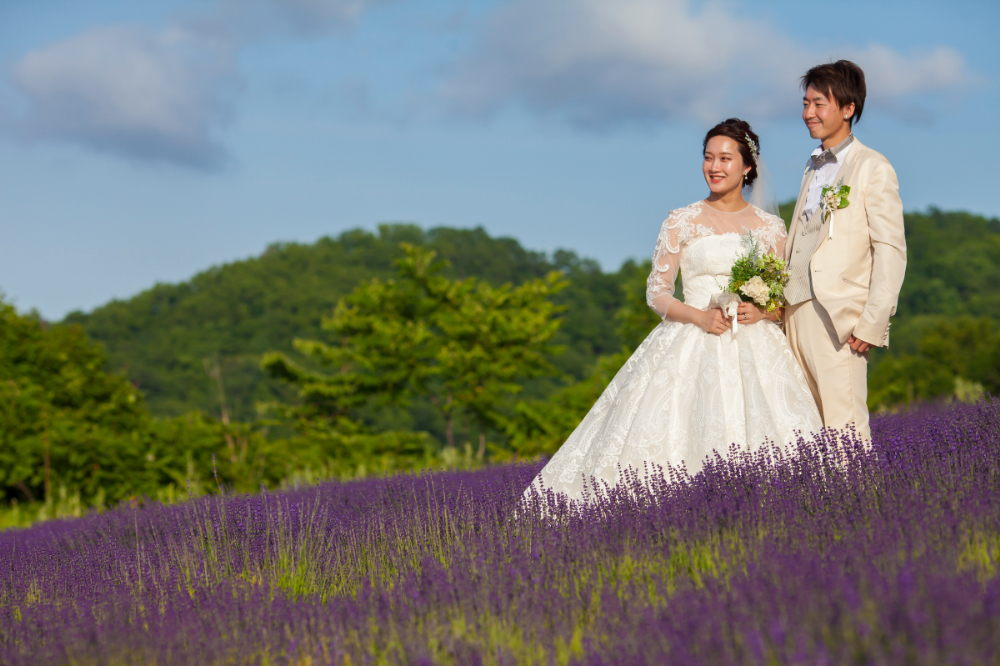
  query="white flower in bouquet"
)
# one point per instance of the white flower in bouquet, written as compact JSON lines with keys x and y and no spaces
{"x":830,"y":199}
{"x":757,"y":277}
{"x":756,"y":289}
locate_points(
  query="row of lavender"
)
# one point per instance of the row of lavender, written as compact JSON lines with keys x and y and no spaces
{"x":885,"y":556}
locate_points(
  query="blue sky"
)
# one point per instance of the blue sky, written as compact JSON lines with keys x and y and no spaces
{"x":143,"y":142}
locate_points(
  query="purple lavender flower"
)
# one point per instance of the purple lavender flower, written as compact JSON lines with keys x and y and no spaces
{"x":880,"y":555}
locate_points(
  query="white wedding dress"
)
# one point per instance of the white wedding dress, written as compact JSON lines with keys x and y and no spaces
{"x":685,"y":393}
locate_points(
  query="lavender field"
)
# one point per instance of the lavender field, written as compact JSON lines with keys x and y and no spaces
{"x":887,"y":557}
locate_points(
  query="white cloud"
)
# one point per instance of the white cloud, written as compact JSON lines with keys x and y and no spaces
{"x":125,"y":90}
{"x":601,"y":65}
{"x":597,"y":64}
{"x":891,"y":75}
{"x":159,"y":96}
{"x":248,"y":20}
{"x":315,"y":13}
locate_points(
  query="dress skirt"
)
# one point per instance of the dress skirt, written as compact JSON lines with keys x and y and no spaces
{"x":682,"y":395}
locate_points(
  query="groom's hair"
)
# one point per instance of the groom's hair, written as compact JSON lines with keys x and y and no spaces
{"x":843,"y":81}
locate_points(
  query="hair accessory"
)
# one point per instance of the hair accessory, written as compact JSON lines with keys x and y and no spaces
{"x":753,"y":147}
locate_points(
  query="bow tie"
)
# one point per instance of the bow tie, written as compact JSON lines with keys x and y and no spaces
{"x":826,"y":157}
{"x":830,"y":154}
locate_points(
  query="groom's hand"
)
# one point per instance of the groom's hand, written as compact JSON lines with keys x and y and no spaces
{"x":859,"y":345}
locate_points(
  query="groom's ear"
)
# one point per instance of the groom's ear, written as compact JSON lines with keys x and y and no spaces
{"x":848,"y":112}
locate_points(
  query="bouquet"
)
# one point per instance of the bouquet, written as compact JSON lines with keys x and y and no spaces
{"x":758,"y":278}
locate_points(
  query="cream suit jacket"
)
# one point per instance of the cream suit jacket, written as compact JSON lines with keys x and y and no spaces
{"x":857,"y":275}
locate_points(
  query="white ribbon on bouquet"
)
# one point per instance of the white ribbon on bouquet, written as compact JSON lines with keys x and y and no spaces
{"x":728,"y":303}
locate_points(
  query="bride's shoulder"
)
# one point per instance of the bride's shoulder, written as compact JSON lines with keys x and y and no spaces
{"x":771,"y":229}
{"x":682,"y":215}
{"x":769,"y":220}
{"x":679,"y":227}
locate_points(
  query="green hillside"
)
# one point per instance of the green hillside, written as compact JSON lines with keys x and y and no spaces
{"x":167,"y":339}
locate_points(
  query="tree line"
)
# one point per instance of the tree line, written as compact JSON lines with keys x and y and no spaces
{"x":400,"y":349}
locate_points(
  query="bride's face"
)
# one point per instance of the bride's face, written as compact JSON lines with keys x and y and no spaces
{"x":723,"y":165}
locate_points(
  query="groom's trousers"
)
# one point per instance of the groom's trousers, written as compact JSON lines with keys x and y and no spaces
{"x":837,"y":375}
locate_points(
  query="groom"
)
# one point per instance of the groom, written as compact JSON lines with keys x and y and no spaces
{"x":846,"y":257}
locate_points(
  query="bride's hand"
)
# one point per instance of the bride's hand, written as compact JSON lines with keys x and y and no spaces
{"x":748,"y":313}
{"x":715,"y":322}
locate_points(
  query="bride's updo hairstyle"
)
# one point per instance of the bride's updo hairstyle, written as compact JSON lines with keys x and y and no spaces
{"x":738,"y":130}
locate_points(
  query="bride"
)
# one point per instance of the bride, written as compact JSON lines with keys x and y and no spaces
{"x":698,"y":383}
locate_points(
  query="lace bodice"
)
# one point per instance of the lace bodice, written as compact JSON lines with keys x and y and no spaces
{"x":702,"y":243}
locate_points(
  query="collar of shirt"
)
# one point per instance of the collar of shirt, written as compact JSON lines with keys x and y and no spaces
{"x":825,"y":172}
{"x":835,"y":154}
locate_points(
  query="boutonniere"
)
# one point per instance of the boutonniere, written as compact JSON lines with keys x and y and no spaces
{"x":833,"y":197}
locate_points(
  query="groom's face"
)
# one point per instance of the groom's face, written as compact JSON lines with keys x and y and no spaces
{"x":822,"y":115}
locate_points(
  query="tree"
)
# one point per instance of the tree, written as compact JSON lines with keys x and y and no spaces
{"x":463,"y":343}
{"x":635,"y":318}
{"x":66,"y":423}
{"x":935,"y":356}
{"x":541,"y":426}
{"x":58,"y":407}
{"x":236,"y":312}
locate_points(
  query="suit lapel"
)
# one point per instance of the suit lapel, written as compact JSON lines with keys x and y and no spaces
{"x":846,"y":172}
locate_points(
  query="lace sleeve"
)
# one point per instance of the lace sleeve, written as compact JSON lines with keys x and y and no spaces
{"x":676,"y":231}
{"x":771,"y":234}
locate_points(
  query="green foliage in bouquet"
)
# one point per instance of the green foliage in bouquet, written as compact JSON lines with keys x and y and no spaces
{"x":759,"y":278}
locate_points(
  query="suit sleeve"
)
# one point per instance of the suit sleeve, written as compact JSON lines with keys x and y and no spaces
{"x":884,"y":209}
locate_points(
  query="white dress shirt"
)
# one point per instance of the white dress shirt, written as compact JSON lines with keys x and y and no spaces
{"x":826,"y":174}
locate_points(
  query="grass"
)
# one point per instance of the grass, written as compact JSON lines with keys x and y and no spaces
{"x":882,"y":555}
